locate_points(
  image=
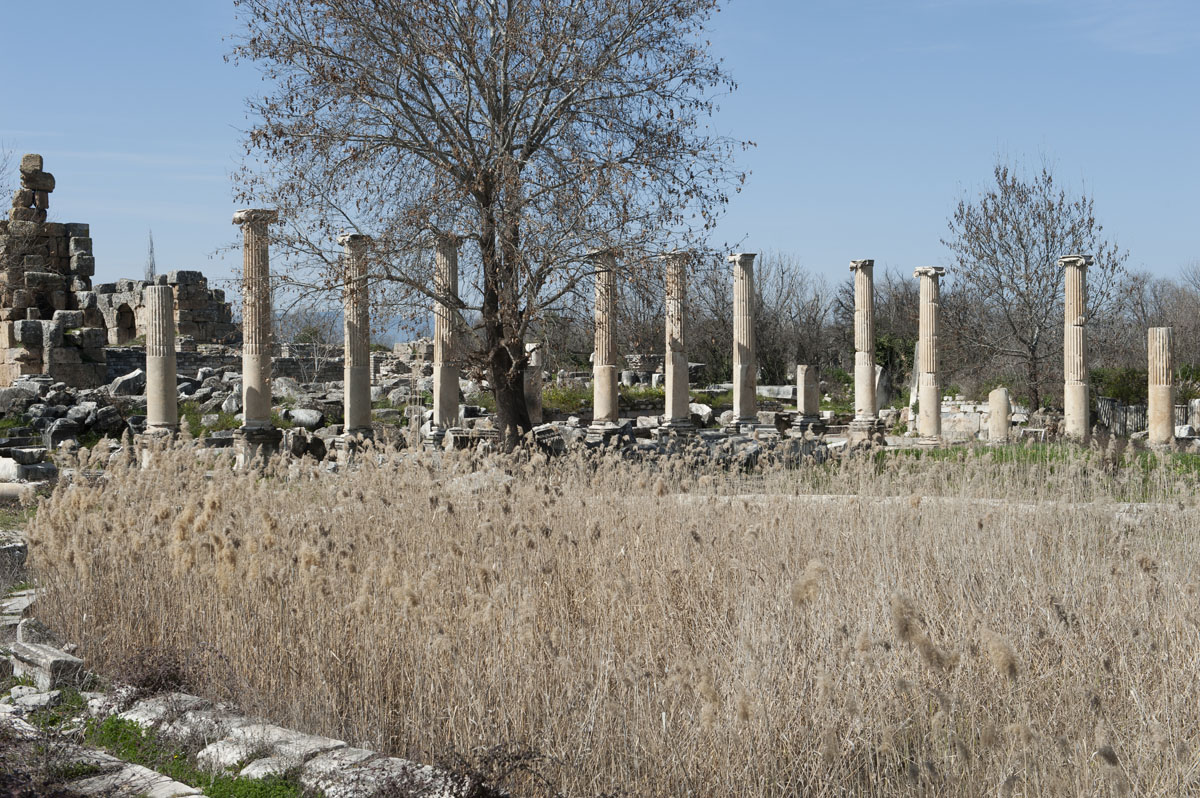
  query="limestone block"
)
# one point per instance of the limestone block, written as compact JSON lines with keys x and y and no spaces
{"x":151,"y":712}
{"x":85,"y":300}
{"x":84,"y":265}
{"x":41,"y":200}
{"x":31,"y":163}
{"x":48,"y":667}
{"x":70,"y":318}
{"x":63,"y":354}
{"x":81,"y":246}
{"x":23,"y":198}
{"x":76,"y":230}
{"x":132,"y":780}
{"x":28,"y":333}
{"x":27,"y":215}
{"x":21,"y":299}
{"x":58,"y":299}
{"x":185,"y":277}
{"x":35,"y":263}
{"x":43,"y":281}
{"x":38,"y":181}
{"x":54,"y":229}
{"x":24,"y":229}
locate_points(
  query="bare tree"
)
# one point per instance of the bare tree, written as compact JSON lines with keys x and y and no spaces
{"x":7,"y":169}
{"x":1006,"y":244}
{"x":535,"y":129}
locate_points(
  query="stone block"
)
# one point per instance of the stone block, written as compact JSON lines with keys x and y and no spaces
{"x":60,"y":431}
{"x":69,"y":318}
{"x":132,"y":780}
{"x":27,"y":333}
{"x":27,"y":455}
{"x":80,"y":245}
{"x":63,"y":354}
{"x":31,"y":163}
{"x":24,"y":229}
{"x":83,"y":265}
{"x":35,"y":263}
{"x":21,"y":299}
{"x":48,"y":667}
{"x":58,"y":299}
{"x":85,"y":300}
{"x":41,"y":200}
{"x":183,"y":277}
{"x":152,"y":712}
{"x":54,"y":229}
{"x":27,"y":215}
{"x":38,"y":181}
{"x":43,"y":281}
{"x":23,"y":198}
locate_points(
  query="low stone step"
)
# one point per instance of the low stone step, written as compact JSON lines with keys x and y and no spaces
{"x":132,"y":780}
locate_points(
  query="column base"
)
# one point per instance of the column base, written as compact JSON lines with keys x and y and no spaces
{"x":675,"y":426}
{"x":255,"y":445}
{"x":929,"y":441}
{"x":602,"y":433}
{"x":803,"y":424}
{"x":864,"y":428}
{"x":742,"y":426}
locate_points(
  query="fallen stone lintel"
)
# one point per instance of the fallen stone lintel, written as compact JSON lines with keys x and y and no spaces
{"x":48,"y":667}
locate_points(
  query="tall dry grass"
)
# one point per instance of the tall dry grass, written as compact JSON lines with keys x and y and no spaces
{"x":962,"y":627}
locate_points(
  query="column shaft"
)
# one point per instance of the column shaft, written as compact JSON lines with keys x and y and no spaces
{"x":604,"y":363}
{"x":864,"y":340}
{"x":999,"y":412}
{"x":162,"y":393}
{"x":356,"y":323}
{"x":1076,"y":405}
{"x":745,"y":356}
{"x":676,"y":365}
{"x":533,"y":383}
{"x":1160,"y":410}
{"x":256,"y":317}
{"x":929,"y":423}
{"x":445,"y":365}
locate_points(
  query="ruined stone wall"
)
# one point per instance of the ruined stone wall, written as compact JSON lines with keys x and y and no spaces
{"x":124,"y":359}
{"x":201,"y":313}
{"x":45,"y":294}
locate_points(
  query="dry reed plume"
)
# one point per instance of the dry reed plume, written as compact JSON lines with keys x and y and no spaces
{"x":671,"y":630}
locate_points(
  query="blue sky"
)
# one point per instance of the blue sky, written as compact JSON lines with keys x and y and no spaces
{"x":871,"y":119}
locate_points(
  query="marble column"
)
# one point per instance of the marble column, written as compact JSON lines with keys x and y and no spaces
{"x":1160,"y":405}
{"x":257,"y":438}
{"x":745,"y":356}
{"x":356,"y":324}
{"x":604,"y":363}
{"x":1076,"y":407}
{"x":445,"y":356}
{"x":677,"y":411}
{"x":808,"y":401}
{"x":999,"y":415}
{"x":929,"y":422}
{"x":533,"y":383}
{"x":866,"y":414}
{"x":162,"y":393}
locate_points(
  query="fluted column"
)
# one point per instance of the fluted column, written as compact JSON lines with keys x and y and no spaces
{"x":1160,"y":409}
{"x":864,"y":341}
{"x":678,"y":400}
{"x":1076,"y":407}
{"x":929,"y":389}
{"x":745,"y":355}
{"x":356,"y":324}
{"x":256,"y":317}
{"x":445,"y":355}
{"x":162,"y":393}
{"x":604,"y":363}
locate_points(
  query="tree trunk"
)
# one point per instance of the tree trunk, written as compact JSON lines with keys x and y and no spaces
{"x":506,"y":375}
{"x":1032,"y":376}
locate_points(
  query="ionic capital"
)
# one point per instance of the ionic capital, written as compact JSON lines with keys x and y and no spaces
{"x":857,"y":265}
{"x":1078,"y":261}
{"x":255,"y":216}
{"x":742,"y":257}
{"x":353,"y":240}
{"x":929,"y":271}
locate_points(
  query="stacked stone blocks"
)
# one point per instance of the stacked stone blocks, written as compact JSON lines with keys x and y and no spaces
{"x":46,"y":290}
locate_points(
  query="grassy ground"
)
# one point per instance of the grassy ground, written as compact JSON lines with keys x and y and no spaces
{"x":983,"y":622}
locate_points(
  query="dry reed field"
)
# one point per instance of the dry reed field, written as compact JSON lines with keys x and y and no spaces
{"x":976,"y":624}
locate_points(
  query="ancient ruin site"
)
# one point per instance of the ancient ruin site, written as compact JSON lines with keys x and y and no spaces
{"x":600,"y":398}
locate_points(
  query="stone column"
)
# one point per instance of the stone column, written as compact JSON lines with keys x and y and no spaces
{"x":678,"y":401}
{"x":604,"y":364}
{"x":808,"y":401}
{"x":745,"y":356}
{"x":162,"y":393}
{"x":1160,"y":405}
{"x":533,"y":383}
{"x":356,"y":323}
{"x":866,"y":414}
{"x":929,"y":423}
{"x":445,"y":356}
{"x":999,"y":413}
{"x":1076,"y":407}
{"x":256,"y":437}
